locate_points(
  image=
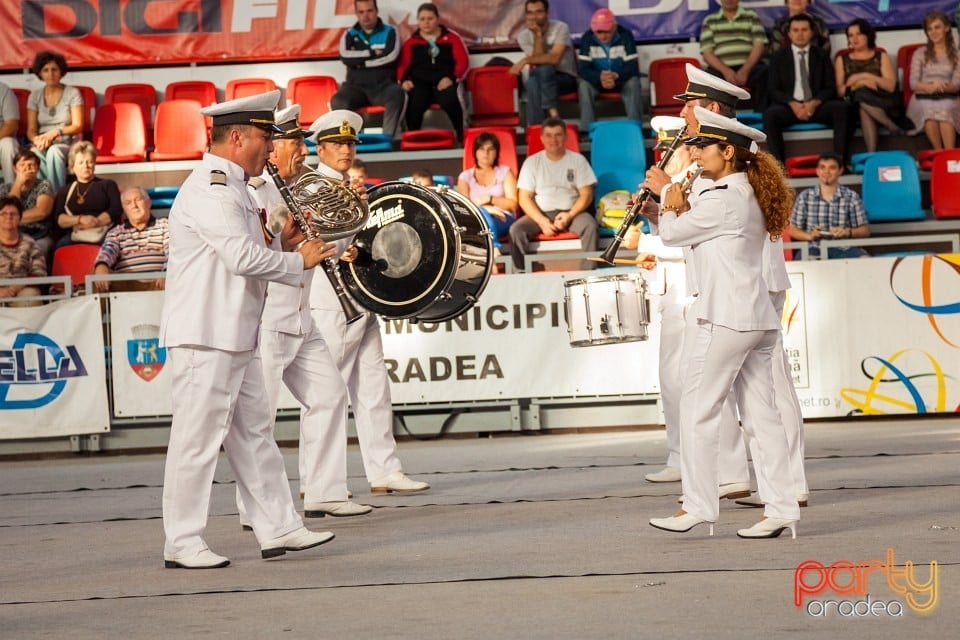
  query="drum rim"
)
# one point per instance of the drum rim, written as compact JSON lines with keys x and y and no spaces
{"x":609,"y":278}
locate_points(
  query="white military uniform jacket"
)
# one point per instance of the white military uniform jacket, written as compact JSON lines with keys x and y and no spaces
{"x":288,"y":307}
{"x":219,"y":261}
{"x":324,"y":297}
{"x":725,"y":231}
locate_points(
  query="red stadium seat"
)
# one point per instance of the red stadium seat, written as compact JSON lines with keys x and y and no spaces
{"x":181,"y":132}
{"x":492,"y":95}
{"x":76,"y":261}
{"x":508,"y":146}
{"x":89,"y":109}
{"x":668,"y":77}
{"x":143,"y":95}
{"x":534,"y":144}
{"x":944,"y":177}
{"x":243,"y":87}
{"x":203,"y":91}
{"x":118,"y":133}
{"x":22,"y":95}
{"x":428,"y":139}
{"x":904,"y":56}
{"x":800,"y":166}
{"x":925,"y":158}
{"x":313,"y":94}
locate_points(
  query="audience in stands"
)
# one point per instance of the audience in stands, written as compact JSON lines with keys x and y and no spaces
{"x":433,"y":63}
{"x":732,"y":43}
{"x":547,"y":51}
{"x":829,"y":211}
{"x":89,"y":205}
{"x":802,"y":88}
{"x":36,"y":196}
{"x":491,"y":186}
{"x":935,"y":80}
{"x":555,"y":191}
{"x":9,"y":126}
{"x":357,"y":175}
{"x":370,"y":49}
{"x":422,"y":177}
{"x":867,"y":78}
{"x":607,"y":62}
{"x":54,"y":116}
{"x":20,"y":257}
{"x":139,"y":244}
{"x":778,"y":34}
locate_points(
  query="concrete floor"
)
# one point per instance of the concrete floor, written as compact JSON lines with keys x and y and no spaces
{"x":539,"y":536}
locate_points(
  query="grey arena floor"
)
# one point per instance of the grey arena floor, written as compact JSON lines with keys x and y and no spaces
{"x":522,"y":536}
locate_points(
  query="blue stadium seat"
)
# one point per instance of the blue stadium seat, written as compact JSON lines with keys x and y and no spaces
{"x":858,"y":160}
{"x":891,"y":188}
{"x":618,"y":155}
{"x":375,"y":142}
{"x":162,"y":197}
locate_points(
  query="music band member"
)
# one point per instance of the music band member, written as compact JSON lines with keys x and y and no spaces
{"x":293,"y":350}
{"x":357,"y":347}
{"x":220,"y":260}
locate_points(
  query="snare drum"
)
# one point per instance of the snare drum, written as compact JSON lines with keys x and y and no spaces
{"x":425,"y":253}
{"x":606,"y":309}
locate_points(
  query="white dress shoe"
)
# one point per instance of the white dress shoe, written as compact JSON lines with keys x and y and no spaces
{"x":679,"y":524}
{"x":755,"y":501}
{"x":399,"y":482}
{"x":297,"y":540}
{"x":770,"y":528}
{"x":667,"y":474}
{"x":338,"y":509}
{"x":204,"y":559}
{"x":734,"y":490}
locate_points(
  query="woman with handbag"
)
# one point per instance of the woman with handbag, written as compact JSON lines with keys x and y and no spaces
{"x":89,"y":205}
{"x":867,"y":78}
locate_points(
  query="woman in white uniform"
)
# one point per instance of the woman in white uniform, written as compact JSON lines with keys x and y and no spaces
{"x":726,"y":228}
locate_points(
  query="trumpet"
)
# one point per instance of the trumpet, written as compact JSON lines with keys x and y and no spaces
{"x":335,"y":212}
{"x":630,"y":218}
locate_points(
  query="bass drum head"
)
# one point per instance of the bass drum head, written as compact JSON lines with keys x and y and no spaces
{"x":476,"y":258}
{"x":407,"y":254}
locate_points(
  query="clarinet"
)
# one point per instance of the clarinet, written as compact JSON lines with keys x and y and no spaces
{"x":329,"y":265}
{"x":610,"y":252}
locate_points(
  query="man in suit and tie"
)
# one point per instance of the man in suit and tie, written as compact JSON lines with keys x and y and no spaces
{"x":802,"y":88}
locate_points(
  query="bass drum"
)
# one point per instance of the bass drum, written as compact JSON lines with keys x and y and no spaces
{"x":425,"y":253}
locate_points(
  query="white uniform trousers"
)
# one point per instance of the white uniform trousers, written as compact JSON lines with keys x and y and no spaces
{"x":357,"y":350}
{"x":732,"y":463}
{"x":721,"y":358}
{"x":672,"y":329}
{"x":219,"y":399}
{"x":304,"y":364}
{"x":788,"y":405}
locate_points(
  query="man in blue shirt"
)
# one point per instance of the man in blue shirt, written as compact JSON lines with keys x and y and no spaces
{"x":608,"y":62}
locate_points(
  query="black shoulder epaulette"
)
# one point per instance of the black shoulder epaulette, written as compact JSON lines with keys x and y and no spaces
{"x":256,"y":182}
{"x":218,"y":177}
{"x":715,"y":187}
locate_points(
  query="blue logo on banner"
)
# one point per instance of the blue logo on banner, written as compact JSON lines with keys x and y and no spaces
{"x":37,"y":361}
{"x":146,"y":357}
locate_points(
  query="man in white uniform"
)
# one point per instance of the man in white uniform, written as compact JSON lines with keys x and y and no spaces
{"x":293,"y":350}
{"x":357,"y":347}
{"x":220,"y":261}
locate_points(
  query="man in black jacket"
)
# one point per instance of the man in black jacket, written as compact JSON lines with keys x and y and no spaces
{"x":802,"y":88}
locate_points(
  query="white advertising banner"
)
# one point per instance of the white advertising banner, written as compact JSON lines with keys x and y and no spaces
{"x":141,"y":384}
{"x":52,"y":370}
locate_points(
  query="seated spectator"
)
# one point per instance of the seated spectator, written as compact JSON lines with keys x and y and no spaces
{"x":548,"y":53}
{"x":9,"y":125}
{"x":433,"y":63}
{"x":54,"y":116}
{"x":732,"y":43}
{"x":608,"y":62}
{"x":803,"y":89}
{"x":829,"y":210}
{"x":778,"y":34}
{"x":89,"y":205}
{"x":140,"y":243}
{"x":555,"y":191}
{"x":357,"y":175}
{"x":422,"y":177}
{"x":19,"y":256}
{"x":491,"y":186}
{"x":867,"y":78}
{"x":935,"y":80}
{"x":35,"y":195}
{"x":369,"y":49}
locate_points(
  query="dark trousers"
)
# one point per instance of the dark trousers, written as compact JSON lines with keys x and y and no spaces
{"x":756,"y":85}
{"x":422,"y":96}
{"x":390,"y":96}
{"x":832,"y":113}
